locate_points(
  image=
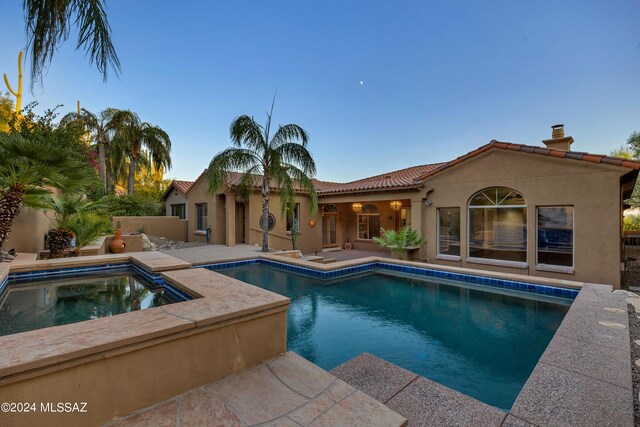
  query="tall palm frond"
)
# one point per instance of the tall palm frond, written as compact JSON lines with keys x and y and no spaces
{"x":132,"y":139}
{"x":49,"y":23}
{"x":282,"y":160}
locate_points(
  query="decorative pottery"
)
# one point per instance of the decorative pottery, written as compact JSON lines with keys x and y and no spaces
{"x":117,"y":245}
{"x":348,"y":245}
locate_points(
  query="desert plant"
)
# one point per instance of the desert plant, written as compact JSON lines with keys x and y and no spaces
{"x":87,"y":227}
{"x":265,"y":160}
{"x":36,"y":157}
{"x":67,"y":208}
{"x":631,"y":222}
{"x":399,"y":241}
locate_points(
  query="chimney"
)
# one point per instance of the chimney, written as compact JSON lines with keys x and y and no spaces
{"x":558,"y":141}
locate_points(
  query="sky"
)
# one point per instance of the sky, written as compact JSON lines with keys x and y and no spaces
{"x":378,"y":85}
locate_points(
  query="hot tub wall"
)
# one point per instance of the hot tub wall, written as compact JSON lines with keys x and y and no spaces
{"x":117,"y":382}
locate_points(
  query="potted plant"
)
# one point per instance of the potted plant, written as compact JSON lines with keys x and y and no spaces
{"x":399,"y":242}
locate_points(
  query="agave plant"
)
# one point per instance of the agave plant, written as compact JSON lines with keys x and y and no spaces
{"x":399,"y":241}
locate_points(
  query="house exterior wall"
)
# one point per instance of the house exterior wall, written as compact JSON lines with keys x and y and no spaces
{"x":310,"y":238}
{"x":593,"y":191}
{"x":215,"y":214}
{"x":176,"y":197}
{"x":347,"y":220}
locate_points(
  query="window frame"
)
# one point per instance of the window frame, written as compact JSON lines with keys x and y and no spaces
{"x":448,"y":256}
{"x":496,"y":261}
{"x":367,"y":215}
{"x":184,"y":210}
{"x":552,"y":267}
{"x":199,"y":206}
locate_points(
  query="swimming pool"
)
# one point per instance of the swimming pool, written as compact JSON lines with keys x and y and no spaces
{"x":28,"y":303}
{"x":480,"y":340}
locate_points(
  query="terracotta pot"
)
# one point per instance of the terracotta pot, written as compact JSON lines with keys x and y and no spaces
{"x":348,"y":245}
{"x":117,"y":245}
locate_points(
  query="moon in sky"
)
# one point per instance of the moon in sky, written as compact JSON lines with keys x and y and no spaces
{"x":361,"y":82}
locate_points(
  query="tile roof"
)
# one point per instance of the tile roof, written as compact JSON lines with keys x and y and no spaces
{"x":530,"y":149}
{"x":403,"y":179}
{"x":413,"y":177}
{"x":182,"y":186}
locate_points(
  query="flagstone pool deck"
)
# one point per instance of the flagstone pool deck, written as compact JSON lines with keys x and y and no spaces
{"x":582,"y":379}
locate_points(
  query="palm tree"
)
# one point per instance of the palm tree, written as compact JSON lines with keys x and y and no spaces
{"x":279,"y":160}
{"x":48,"y":25}
{"x":102,"y":127}
{"x":29,"y":168}
{"x":139,"y":143}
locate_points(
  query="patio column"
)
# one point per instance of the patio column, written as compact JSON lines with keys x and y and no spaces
{"x":416,"y":219}
{"x":230,"y":219}
{"x":416,"y":215}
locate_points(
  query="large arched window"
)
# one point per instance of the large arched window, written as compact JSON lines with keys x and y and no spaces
{"x":369,"y":222}
{"x":498,"y":225}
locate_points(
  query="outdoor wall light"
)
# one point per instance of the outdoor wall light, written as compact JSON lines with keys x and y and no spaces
{"x":396,"y":205}
{"x":312,"y":223}
{"x":357,"y":207}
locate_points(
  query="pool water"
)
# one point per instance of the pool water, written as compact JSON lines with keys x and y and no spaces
{"x":40,"y":304}
{"x":481,"y":342}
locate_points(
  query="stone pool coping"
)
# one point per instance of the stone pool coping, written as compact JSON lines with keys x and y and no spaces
{"x":552,"y":288}
{"x":219,"y":300}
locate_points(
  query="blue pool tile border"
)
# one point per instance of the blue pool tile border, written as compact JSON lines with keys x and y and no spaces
{"x":3,"y":284}
{"x":155,"y":279}
{"x":528,"y":287}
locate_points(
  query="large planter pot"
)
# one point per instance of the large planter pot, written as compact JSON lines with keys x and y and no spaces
{"x":117,"y":245}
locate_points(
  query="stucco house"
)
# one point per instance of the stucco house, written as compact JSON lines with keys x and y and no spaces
{"x":175,"y":198}
{"x":535,"y":210}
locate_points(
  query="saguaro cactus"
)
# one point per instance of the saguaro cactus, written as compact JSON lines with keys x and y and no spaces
{"x":17,"y":94}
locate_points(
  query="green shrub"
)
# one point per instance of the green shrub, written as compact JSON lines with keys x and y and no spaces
{"x":133,"y":205}
{"x":398,"y":241}
{"x":632,"y":222}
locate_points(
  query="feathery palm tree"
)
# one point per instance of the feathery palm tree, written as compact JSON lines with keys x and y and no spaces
{"x":29,"y":168}
{"x":133,"y":141}
{"x":48,"y":25}
{"x":102,"y":127}
{"x":277,"y":160}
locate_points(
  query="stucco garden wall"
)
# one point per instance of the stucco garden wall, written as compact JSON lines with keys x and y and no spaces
{"x":28,"y":231}
{"x":171,"y":227}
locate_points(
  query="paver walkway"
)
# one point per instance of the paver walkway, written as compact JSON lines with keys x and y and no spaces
{"x":214,"y":253}
{"x":284,"y":391}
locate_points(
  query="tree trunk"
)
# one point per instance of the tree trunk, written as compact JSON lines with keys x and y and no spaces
{"x":102,"y":161}
{"x":108,"y":179}
{"x":265,"y":214}
{"x":10,"y":205}
{"x":132,"y":174}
